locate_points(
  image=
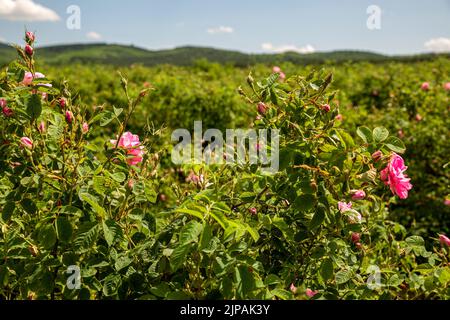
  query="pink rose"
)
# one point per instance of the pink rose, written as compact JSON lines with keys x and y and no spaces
{"x":344,"y":207}
{"x":445,"y":241}
{"x":393,"y":176}
{"x":447,"y":201}
{"x":358,"y":195}
{"x":356,"y":237}
{"x":3,"y":103}
{"x":282,"y":76}
{"x":377,"y":155}
{"x":85,"y":128}
{"x":447,"y":86}
{"x":26,"y":142}
{"x":418,"y":117}
{"x":326,"y":108}
{"x":130,"y":142}
{"x":29,"y":37}
{"x":262,"y":108}
{"x":339,"y":117}
{"x":28,"y":77}
{"x":276,"y":69}
{"x":425,"y":86}
{"x":310,"y":293}
{"x":29,"y":50}
{"x":41,"y":127}
{"x":293,"y":288}
{"x":62,"y":102}
{"x":69,"y":117}
{"x":253,"y":211}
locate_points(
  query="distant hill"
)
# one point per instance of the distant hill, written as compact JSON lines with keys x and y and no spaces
{"x":126,"y":55}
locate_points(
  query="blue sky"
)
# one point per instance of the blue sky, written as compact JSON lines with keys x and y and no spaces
{"x":245,"y":25}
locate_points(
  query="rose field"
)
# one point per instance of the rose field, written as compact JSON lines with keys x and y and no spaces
{"x":94,"y":207}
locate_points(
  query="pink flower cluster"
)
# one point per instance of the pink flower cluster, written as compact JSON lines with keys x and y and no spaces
{"x":29,"y":77}
{"x":393,"y":176}
{"x":277,"y":69}
{"x":130,"y":142}
{"x":7,"y":112}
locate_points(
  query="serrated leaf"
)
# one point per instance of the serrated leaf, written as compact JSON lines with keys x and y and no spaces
{"x":64,"y":229}
{"x":112,"y":231}
{"x":380,"y":134}
{"x":34,"y":106}
{"x":365,"y":134}
{"x":92,"y":201}
{"x":395,"y":144}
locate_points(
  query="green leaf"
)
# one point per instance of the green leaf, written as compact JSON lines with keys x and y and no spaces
{"x":64,"y":229}
{"x":190,"y":232}
{"x":86,"y":197}
{"x":29,"y":206}
{"x":343,"y":276}
{"x":304,"y":202}
{"x":111,"y":285}
{"x":122,"y":262}
{"x":380,"y":134}
{"x":365,"y":134}
{"x":395,"y":144}
{"x":106,"y":117}
{"x":86,"y":236}
{"x":47,"y":236}
{"x":282,"y":294}
{"x":160,"y":290}
{"x":179,"y":255}
{"x":206,"y":236}
{"x":118,"y":177}
{"x":326,"y":269}
{"x":111,"y":231}
{"x":34,"y":106}
{"x":245,"y":281}
{"x":284,"y":228}
{"x":317,"y":219}
{"x":191,"y":212}
{"x":8,"y":210}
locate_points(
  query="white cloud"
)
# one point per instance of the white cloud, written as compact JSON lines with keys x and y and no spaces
{"x":285,"y":48}
{"x":26,"y":10}
{"x":93,"y":35}
{"x":438,"y":45}
{"x":2,"y":39}
{"x":221,"y":29}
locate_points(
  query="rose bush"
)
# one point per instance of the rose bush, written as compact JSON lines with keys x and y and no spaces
{"x":80,"y":188}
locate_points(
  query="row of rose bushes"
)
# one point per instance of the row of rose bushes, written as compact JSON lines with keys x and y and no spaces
{"x":318,"y":228}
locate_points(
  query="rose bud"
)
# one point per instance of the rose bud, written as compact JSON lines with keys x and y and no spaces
{"x":358,"y":195}
{"x":62,"y":102}
{"x":356,"y":237}
{"x":29,"y":50}
{"x":425,"y":86}
{"x":7,"y":112}
{"x":293,"y":288}
{"x":276,"y":69}
{"x":253,"y":211}
{"x":339,"y":117}
{"x":162,"y":197}
{"x":29,"y":37}
{"x":41,"y":127}
{"x":377,"y":155}
{"x":326,"y":107}
{"x":358,"y":245}
{"x":26,"y":142}
{"x":85,"y":128}
{"x":130,"y":184}
{"x":262,"y":108}
{"x":418,"y":117}
{"x":447,"y":201}
{"x":447,"y":86}
{"x":282,"y":76}
{"x":69,"y":117}
{"x":445,"y":241}
{"x":311,"y":293}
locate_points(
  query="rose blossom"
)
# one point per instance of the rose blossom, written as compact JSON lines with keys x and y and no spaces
{"x":293,"y":288}
{"x":69,"y":116}
{"x":444,"y":240}
{"x":310,"y":293}
{"x":447,"y":201}
{"x":447,"y":86}
{"x":393,"y":176}
{"x":85,"y":128}
{"x":358,"y":195}
{"x":130,"y":142}
{"x":425,"y":86}
{"x":26,"y":142}
{"x":276,"y":69}
{"x":28,"y":77}
{"x":356,"y":237}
